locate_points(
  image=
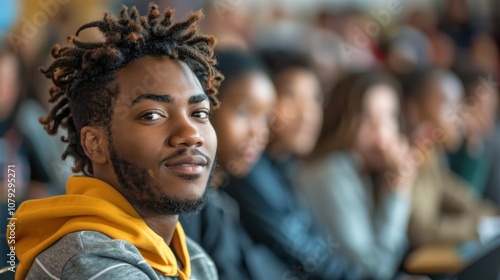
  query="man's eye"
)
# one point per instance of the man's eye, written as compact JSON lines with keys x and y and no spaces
{"x":201,"y":114}
{"x":151,"y":116}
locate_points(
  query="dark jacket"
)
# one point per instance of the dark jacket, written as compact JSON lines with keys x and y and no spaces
{"x":274,"y":216}
{"x":492,"y":191}
{"x":217,"y":229}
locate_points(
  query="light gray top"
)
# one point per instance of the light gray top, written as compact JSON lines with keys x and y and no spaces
{"x":343,"y":202}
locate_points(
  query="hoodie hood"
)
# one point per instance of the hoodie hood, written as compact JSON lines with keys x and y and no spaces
{"x":93,"y":205}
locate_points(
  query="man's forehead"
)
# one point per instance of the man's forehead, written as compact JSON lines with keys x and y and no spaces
{"x":157,"y":75}
{"x":158,"y":67}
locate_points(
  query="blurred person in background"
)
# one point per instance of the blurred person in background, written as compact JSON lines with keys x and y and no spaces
{"x":456,"y":21}
{"x":407,"y":50}
{"x":247,"y":98}
{"x":474,"y":158}
{"x":444,"y":208}
{"x":48,"y":147}
{"x":443,"y":51}
{"x":423,"y":18}
{"x":358,"y":47}
{"x":229,"y":22}
{"x":32,"y":40}
{"x":317,"y":37}
{"x":484,"y":53}
{"x":296,"y":121}
{"x":15,"y":147}
{"x":345,"y":180}
{"x":270,"y":210}
{"x":16,"y":150}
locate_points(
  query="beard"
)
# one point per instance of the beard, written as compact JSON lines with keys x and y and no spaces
{"x":143,"y":192}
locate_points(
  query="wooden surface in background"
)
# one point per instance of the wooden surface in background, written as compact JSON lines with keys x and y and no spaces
{"x":434,"y":259}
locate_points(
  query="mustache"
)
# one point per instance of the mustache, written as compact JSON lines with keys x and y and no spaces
{"x":186,"y":151}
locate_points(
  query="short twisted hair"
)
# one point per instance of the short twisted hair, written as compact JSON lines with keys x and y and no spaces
{"x":84,"y":73}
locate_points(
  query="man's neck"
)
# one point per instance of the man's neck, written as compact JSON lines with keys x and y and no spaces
{"x":163,"y":225}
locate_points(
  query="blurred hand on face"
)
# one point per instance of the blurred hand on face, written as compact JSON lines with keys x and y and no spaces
{"x":380,"y":144}
{"x":397,"y":160}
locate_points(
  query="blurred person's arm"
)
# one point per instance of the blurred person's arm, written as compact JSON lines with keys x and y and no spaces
{"x":459,"y":197}
{"x":443,"y":209}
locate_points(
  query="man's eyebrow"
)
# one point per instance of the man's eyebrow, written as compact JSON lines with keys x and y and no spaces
{"x":166,"y":98}
{"x":197,"y":98}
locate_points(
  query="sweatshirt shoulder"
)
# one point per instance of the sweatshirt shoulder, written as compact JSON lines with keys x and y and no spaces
{"x":202,"y":266}
{"x":86,"y":254}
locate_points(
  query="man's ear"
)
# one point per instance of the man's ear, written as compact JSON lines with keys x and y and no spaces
{"x":94,"y":142}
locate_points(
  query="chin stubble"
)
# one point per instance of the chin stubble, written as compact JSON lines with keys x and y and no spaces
{"x":141,"y":190}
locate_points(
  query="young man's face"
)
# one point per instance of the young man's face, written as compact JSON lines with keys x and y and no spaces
{"x":162,"y":145}
{"x":299,"y":110}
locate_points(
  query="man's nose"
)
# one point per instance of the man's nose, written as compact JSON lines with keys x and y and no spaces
{"x":184,"y":133}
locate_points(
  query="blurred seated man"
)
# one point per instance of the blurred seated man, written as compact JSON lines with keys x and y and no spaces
{"x":136,"y":108}
{"x":444,"y":208}
{"x":474,"y":158}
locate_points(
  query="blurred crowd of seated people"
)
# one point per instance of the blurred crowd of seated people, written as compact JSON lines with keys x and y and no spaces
{"x":349,"y":135}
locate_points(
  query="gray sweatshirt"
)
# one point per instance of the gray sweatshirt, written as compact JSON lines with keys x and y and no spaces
{"x":93,"y":255}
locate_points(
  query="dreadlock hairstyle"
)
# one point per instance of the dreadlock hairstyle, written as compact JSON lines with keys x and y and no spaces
{"x":84,"y":73}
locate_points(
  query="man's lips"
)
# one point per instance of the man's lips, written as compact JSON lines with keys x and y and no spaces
{"x":187,"y":165}
{"x":188,"y":160}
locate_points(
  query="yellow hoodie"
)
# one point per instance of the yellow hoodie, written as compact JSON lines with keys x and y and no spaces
{"x":91,"y":204}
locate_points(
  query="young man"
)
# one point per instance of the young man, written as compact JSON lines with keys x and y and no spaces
{"x":136,"y":108}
